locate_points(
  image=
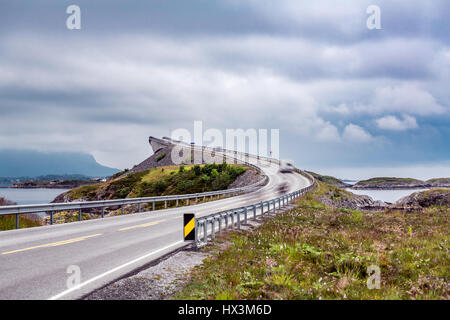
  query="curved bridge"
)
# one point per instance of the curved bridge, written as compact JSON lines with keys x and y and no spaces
{"x":34,"y":262}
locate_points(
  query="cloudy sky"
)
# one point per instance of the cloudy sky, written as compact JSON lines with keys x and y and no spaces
{"x":348,"y":100}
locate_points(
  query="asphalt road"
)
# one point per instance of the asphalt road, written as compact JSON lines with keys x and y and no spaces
{"x":34,"y":262}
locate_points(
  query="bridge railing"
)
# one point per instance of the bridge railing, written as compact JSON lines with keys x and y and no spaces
{"x":52,"y":208}
{"x":208,"y":226}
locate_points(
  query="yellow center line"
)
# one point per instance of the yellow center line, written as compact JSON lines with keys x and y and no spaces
{"x":142,"y":225}
{"x":54,"y":244}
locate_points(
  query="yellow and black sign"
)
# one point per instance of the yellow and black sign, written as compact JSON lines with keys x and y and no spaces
{"x":189,"y":226}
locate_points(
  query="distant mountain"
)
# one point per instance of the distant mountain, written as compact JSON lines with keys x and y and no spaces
{"x":27,"y":163}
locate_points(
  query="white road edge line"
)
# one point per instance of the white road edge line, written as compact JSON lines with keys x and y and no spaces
{"x":111,"y":271}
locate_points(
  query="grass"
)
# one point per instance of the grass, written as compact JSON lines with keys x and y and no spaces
{"x":327,"y":179}
{"x":317,"y":252}
{"x":9,"y":222}
{"x":159,"y":181}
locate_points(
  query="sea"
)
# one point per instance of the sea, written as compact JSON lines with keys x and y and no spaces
{"x":30,"y":196}
{"x":386,"y":195}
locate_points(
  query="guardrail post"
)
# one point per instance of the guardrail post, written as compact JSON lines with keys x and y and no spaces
{"x":139,"y":207}
{"x":123,"y":209}
{"x":254,"y":212}
{"x":153,"y":206}
{"x":51,"y":218}
{"x":17,"y":221}
{"x":213,"y":229}
{"x":238,"y":216}
{"x":232,"y":219}
{"x":103,"y":212}
{"x":187,"y":201}
{"x":245,"y":215}
{"x":205,"y":232}
{"x":165,"y":204}
{"x":220,"y":223}
{"x":176,"y":204}
{"x":79,"y":215}
{"x":196,"y":230}
{"x":262,"y":208}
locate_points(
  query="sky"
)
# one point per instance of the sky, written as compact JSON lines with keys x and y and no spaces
{"x":348,"y":101}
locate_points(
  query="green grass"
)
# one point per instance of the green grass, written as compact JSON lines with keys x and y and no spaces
{"x":327,"y":179}
{"x":167,"y":180}
{"x":9,"y":222}
{"x":317,"y":252}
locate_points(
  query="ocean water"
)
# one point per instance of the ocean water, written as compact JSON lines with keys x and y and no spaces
{"x":386,"y":195}
{"x":30,"y":196}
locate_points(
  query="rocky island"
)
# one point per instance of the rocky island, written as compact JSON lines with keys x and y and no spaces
{"x":391,"y":183}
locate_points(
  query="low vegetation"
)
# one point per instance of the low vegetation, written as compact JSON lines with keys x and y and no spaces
{"x":162,"y":181}
{"x":387,"y":182}
{"x":9,"y":222}
{"x":439,"y":182}
{"x":328,"y":179}
{"x":318,"y":252}
{"x":160,"y":157}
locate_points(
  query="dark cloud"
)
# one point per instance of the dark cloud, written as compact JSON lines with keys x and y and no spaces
{"x":312,"y":69}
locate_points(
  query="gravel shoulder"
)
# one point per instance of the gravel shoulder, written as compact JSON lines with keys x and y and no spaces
{"x":157,"y":282}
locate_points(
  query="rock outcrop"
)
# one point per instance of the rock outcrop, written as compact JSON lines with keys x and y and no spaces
{"x":425,"y":199}
{"x":339,"y":198}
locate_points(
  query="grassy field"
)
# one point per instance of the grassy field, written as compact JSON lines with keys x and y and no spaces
{"x":318,"y":252}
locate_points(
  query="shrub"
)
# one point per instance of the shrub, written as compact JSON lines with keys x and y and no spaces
{"x":160,"y":157}
{"x":197,"y":170}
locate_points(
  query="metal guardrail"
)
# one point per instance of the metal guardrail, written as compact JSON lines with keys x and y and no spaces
{"x":80,"y":205}
{"x":233,"y":218}
{"x":220,"y":150}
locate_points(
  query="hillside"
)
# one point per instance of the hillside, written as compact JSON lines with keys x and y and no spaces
{"x":26,"y":163}
{"x":329,"y":179}
{"x":159,"y":181}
